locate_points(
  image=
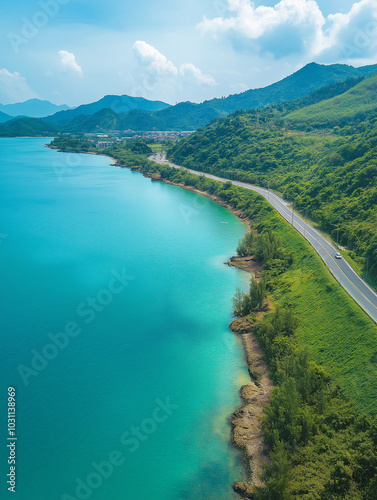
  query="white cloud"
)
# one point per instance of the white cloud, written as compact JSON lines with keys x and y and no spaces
{"x":13,"y":88}
{"x":353,"y":35}
{"x":299,"y":26}
{"x":255,"y":22}
{"x":293,"y":24}
{"x":160,"y":68}
{"x":191,"y":71}
{"x":68,"y":61}
{"x":153,"y":59}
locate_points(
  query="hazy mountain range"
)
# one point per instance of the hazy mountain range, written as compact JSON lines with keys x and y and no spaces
{"x":34,"y":108}
{"x":136,"y":113}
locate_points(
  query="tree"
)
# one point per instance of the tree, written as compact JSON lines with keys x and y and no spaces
{"x":257,"y":293}
{"x":276,"y":476}
{"x":246,"y":245}
{"x":241,"y":303}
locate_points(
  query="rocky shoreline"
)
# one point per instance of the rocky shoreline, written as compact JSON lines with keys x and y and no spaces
{"x":246,"y":420}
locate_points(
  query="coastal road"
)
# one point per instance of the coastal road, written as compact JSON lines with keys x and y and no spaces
{"x":342,"y":271}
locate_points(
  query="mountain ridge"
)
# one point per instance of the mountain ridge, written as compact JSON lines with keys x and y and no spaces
{"x":135,"y":113}
{"x":32,"y":108}
{"x":191,"y":116}
{"x":118,"y":103}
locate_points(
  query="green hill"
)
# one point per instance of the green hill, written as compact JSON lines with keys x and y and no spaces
{"x":309,"y":78}
{"x":185,"y":113}
{"x":358,"y":104}
{"x":190,"y":116}
{"x":118,"y":103}
{"x":104,"y":120}
{"x":135,"y":113}
{"x":28,"y":127}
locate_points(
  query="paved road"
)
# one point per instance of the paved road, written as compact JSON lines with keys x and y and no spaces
{"x":343,"y":272}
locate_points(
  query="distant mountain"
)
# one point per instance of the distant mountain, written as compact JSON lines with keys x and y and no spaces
{"x":27,"y":127}
{"x":136,"y":113}
{"x":34,"y":108}
{"x":140,"y":119}
{"x":102,"y":121}
{"x":190,"y":116}
{"x":118,"y":103}
{"x":4,"y":117}
{"x":311,"y":77}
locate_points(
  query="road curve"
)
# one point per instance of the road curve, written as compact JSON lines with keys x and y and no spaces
{"x":342,"y":271}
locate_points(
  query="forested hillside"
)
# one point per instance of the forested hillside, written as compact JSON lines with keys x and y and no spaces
{"x":30,"y":127}
{"x":322,"y":156}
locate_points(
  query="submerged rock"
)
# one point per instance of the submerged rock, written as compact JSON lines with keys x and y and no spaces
{"x":246,"y":490}
{"x":241,"y":325}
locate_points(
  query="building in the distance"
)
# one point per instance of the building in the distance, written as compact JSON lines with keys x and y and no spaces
{"x":103,"y":144}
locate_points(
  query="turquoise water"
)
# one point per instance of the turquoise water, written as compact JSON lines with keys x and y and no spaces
{"x":115,"y":305}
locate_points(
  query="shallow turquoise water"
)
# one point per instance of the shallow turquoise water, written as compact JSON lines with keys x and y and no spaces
{"x":151,"y":374}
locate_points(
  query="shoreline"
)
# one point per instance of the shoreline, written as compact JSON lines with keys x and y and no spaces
{"x":238,"y":213}
{"x":245,"y":421}
{"x":246,"y":429}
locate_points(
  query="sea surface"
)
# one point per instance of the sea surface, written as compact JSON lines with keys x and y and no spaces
{"x":115,"y":305}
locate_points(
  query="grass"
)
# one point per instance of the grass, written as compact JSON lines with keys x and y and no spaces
{"x":156,"y":147}
{"x":339,"y":335}
{"x":359,"y":99}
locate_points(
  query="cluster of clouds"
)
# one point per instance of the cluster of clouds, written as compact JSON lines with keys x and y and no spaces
{"x":13,"y":86}
{"x":291,"y":33}
{"x":158,"y":66}
{"x":294,"y":27}
{"x":154,"y":68}
{"x":68,"y":62}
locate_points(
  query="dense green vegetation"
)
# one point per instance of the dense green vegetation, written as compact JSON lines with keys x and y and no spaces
{"x":338,"y":111}
{"x":322,"y":446}
{"x":27,"y":127}
{"x":71,"y":143}
{"x":330,"y":174}
{"x":131,"y":153}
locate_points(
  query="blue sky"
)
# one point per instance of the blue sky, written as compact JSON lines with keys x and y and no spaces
{"x":77,"y":51}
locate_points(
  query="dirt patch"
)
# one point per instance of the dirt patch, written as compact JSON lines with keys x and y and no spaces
{"x":249,"y":264}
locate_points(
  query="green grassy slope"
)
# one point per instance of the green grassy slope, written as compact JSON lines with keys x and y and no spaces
{"x":357,"y":104}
